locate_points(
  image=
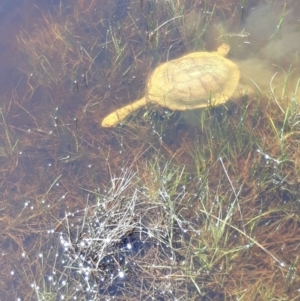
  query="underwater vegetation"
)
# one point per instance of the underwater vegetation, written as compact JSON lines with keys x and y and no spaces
{"x":169,"y":203}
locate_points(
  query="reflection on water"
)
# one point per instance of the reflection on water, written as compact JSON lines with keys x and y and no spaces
{"x":166,"y":206}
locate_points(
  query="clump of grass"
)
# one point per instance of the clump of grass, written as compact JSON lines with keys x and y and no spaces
{"x":110,"y":244}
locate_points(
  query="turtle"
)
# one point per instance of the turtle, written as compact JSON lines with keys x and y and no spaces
{"x":195,"y":80}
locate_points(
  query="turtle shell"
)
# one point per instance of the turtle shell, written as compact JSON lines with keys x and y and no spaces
{"x":195,"y":80}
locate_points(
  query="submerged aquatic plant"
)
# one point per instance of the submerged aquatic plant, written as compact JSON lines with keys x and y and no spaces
{"x":187,"y":210}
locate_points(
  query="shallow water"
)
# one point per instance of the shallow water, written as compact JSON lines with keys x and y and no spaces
{"x":65,"y":65}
